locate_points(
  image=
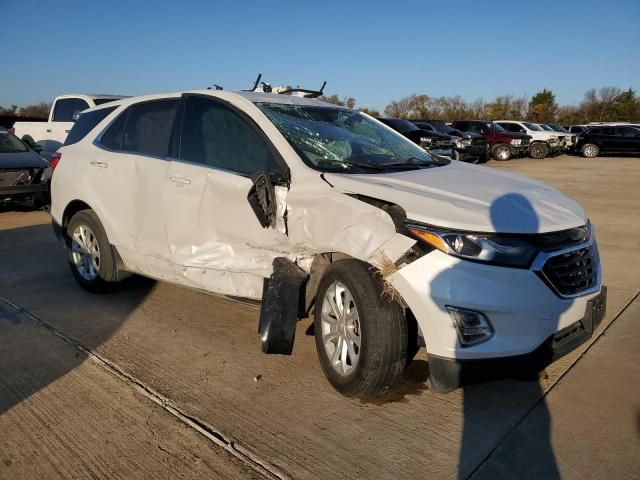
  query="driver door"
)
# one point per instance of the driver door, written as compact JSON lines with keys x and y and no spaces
{"x":215,"y":239}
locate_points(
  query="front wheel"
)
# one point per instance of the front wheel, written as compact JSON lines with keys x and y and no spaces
{"x":590,"y":150}
{"x":538,"y":150}
{"x":361,"y":336}
{"x":501,"y":152}
{"x":90,"y":254}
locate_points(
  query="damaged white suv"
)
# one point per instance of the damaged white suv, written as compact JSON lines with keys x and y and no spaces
{"x":318,"y":209}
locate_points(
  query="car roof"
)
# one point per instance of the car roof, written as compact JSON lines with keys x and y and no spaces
{"x":253,"y":97}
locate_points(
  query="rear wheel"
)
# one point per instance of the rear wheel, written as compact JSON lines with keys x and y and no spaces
{"x":90,"y":254}
{"x":361,"y":336}
{"x":501,"y":152}
{"x":538,"y":150}
{"x":590,"y":150}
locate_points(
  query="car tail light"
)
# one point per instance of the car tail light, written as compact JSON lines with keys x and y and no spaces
{"x":55,"y":159}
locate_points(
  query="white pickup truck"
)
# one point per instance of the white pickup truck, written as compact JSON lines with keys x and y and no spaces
{"x":50,"y":135}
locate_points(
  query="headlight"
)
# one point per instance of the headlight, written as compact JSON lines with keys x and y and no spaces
{"x":426,"y":140}
{"x":463,"y":142}
{"x":482,"y":247}
{"x":553,"y":140}
{"x":516,"y":141}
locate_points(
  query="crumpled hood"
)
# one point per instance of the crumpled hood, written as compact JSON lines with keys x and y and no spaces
{"x":468,"y":197}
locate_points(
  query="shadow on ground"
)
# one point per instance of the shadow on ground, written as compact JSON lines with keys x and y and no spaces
{"x":34,"y":276}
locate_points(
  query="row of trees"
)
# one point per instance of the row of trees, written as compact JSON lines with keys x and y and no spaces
{"x":603,"y":105}
{"x":37,"y":110}
{"x":608,"y":104}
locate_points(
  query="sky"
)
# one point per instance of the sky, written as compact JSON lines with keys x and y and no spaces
{"x":374,"y":52}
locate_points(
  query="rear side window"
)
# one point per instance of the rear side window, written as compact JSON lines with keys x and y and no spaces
{"x":86,"y":123}
{"x":464,"y":126}
{"x":609,"y":131}
{"x":215,"y":135}
{"x":148,"y":128}
{"x":112,"y":138}
{"x":629,"y":131}
{"x":66,"y":108}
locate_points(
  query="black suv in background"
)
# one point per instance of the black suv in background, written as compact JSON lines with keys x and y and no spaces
{"x":435,"y":142}
{"x":467,"y":146}
{"x":609,"y":139}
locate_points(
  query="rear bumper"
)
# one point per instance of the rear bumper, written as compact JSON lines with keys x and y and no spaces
{"x":450,"y":373}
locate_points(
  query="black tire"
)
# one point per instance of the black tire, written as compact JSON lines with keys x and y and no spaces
{"x":590,"y":150}
{"x":501,"y":152}
{"x":382,"y":330}
{"x":538,"y":150}
{"x":107,"y":271}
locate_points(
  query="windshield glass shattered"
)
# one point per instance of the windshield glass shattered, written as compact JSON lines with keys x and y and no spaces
{"x":343,"y":140}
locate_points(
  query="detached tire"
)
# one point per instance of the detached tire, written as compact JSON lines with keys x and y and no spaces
{"x":589,"y":150}
{"x":501,"y":152}
{"x":538,"y":150}
{"x":91,"y":257}
{"x":361,"y":337}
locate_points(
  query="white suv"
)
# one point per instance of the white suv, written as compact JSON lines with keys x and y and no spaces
{"x":314,"y":207}
{"x":543,"y":142}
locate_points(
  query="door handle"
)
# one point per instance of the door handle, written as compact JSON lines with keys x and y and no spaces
{"x":179,"y":179}
{"x":99,"y":164}
{"x":49,"y":130}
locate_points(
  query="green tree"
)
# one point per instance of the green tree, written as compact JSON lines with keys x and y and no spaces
{"x":627,"y":106}
{"x":543,"y":107}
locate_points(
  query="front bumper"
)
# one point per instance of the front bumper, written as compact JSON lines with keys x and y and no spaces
{"x":523,"y":310}
{"x":447,"y":374}
{"x":473,"y":151}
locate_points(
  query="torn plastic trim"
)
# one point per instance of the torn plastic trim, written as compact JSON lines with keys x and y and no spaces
{"x":282,"y":305}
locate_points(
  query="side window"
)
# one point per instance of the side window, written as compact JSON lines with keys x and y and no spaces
{"x":148,"y":128}
{"x":463,"y":126}
{"x":112,"y":138}
{"x":79,"y":105}
{"x":86,"y":123}
{"x":63,"y":110}
{"x":475,"y":127}
{"x":608,"y":131}
{"x":629,"y":131}
{"x":215,"y":135}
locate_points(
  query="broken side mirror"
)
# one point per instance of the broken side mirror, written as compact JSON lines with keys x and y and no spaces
{"x":262,"y":196}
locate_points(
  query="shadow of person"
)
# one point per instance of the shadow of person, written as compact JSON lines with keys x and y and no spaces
{"x":35,"y":283}
{"x":493,"y":402}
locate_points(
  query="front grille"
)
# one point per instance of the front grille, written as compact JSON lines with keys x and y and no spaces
{"x":442,"y":144}
{"x":573,"y":272}
{"x":525,"y":141}
{"x":478,"y":142}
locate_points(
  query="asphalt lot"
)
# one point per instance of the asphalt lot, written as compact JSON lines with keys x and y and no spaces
{"x":162,"y":382}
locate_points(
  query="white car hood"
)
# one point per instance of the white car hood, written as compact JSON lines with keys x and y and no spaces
{"x":468,"y":197}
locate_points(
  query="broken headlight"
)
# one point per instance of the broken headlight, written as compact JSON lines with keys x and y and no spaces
{"x":490,"y":248}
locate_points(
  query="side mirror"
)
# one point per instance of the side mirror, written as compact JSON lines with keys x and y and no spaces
{"x":75,"y":116}
{"x":36,"y":148}
{"x":522,"y":130}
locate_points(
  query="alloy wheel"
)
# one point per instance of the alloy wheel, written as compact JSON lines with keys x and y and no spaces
{"x":85,"y":252}
{"x":341,"y":335}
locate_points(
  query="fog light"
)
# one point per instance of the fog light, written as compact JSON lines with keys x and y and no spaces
{"x":472,"y":327}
